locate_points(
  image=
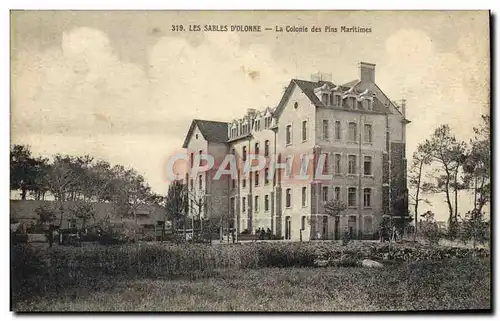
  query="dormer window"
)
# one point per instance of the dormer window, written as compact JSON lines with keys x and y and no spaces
{"x":369,"y":104}
{"x":352,"y":102}
{"x":331,"y":101}
{"x":360,"y":104}
{"x":338,"y":101}
{"x":324,"y":99}
{"x":257,"y":125}
{"x":267,"y":122}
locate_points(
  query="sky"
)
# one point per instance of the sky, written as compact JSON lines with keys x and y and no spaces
{"x":122,"y":86}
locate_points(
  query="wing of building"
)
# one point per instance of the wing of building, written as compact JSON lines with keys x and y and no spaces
{"x":353,"y":130}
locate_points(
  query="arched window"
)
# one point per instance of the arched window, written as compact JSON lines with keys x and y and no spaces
{"x":266,"y":148}
{"x":288,"y":202}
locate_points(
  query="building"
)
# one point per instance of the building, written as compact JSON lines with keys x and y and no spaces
{"x":352,"y":129}
{"x":148,"y":217}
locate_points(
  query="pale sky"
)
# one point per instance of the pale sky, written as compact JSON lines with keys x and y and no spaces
{"x":122,"y":86}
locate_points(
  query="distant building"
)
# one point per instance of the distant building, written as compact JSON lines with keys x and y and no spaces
{"x":361,"y":134}
{"x":24,"y":211}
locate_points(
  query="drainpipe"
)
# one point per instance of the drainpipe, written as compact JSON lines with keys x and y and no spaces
{"x":360,"y":192}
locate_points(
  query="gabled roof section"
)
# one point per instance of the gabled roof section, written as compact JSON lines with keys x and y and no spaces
{"x":212,"y":131}
{"x":356,"y":82}
{"x":308,"y":87}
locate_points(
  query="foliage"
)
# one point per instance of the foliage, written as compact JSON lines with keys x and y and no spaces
{"x":335,"y":208}
{"x":176,"y":203}
{"x":477,"y":166}
{"x":445,"y":150}
{"x":430,"y":229}
{"x":45,"y":215}
{"x":27,"y":173}
{"x":474,"y":227}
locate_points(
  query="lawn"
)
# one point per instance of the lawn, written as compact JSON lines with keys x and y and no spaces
{"x":447,"y":284}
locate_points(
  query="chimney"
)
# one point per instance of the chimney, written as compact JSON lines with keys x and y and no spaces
{"x":251,"y":112}
{"x":403,"y":107}
{"x":367,"y":72}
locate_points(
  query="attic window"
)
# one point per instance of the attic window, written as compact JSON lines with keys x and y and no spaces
{"x":324,"y":99}
{"x":196,"y":136}
{"x":296,"y":105}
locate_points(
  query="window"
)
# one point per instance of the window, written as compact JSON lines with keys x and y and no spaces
{"x":200,"y":181}
{"x":368,"y":133}
{"x":234,"y":183}
{"x":266,"y":176}
{"x":257,"y":125}
{"x":196,"y":136}
{"x":256,"y":148}
{"x":244,"y":204}
{"x":337,"y":130}
{"x":233,"y":202}
{"x":244,"y":153}
{"x":256,"y":178}
{"x":244,"y":182}
{"x":367,"y":197}
{"x":304,"y":196}
{"x":233,"y":151}
{"x":352,"y":102}
{"x":324,"y":99}
{"x":304,"y":130}
{"x":191,"y":159}
{"x":338,"y":101}
{"x":351,"y":197}
{"x":369,"y":104}
{"x":256,"y":205}
{"x":303,"y":223}
{"x":303,"y":164}
{"x":337,"y":163}
{"x":360,"y":104}
{"x":325,"y":193}
{"x":288,"y":198}
{"x":201,"y":152}
{"x":295,"y":105}
{"x":288,"y":166}
{"x":325,"y":129}
{"x":367,"y":165}
{"x":336,"y":193}
{"x":325,"y":164}
{"x":353,"y":132}
{"x":288,"y":134}
{"x":266,"y":148}
{"x":266,"y":203}
{"x":191,"y":183}
{"x":331,"y":100}
{"x":352,"y":165}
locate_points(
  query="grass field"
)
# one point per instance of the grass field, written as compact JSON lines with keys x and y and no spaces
{"x":448,"y":284}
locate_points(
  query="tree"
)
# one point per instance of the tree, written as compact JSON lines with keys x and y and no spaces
{"x":445,"y":150}
{"x":430,"y":229}
{"x":335,"y":208}
{"x":45,"y":215}
{"x":175,"y":203}
{"x":474,"y":227}
{"x":415,"y":180}
{"x":27,"y":173}
{"x":477,"y":166}
{"x":84,"y":211}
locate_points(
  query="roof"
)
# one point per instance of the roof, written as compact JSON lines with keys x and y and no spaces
{"x":26,"y":209}
{"x":212,"y":131}
{"x":308,"y":87}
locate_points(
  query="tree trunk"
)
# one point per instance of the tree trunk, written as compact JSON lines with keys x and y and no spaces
{"x":456,"y":193}
{"x":416,"y":200}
